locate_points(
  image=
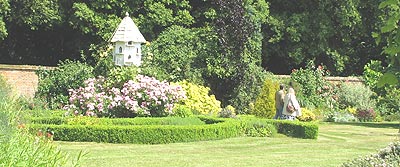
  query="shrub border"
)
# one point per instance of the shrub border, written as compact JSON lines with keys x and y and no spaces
{"x":216,"y":128}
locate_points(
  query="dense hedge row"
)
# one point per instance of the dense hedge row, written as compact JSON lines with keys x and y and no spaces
{"x":306,"y":130}
{"x":297,"y":129}
{"x":155,"y":131}
{"x":145,"y":134}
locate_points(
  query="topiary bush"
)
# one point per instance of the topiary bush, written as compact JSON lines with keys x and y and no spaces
{"x":264,"y":105}
{"x":54,"y":84}
{"x":199,"y":99}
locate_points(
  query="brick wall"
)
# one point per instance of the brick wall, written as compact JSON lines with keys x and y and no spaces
{"x":24,"y":81}
{"x":353,"y":80}
{"x":22,"y":78}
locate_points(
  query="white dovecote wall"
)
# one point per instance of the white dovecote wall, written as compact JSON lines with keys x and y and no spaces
{"x":127,"y":41}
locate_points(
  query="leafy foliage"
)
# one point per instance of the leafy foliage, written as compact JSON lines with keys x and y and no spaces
{"x":120,"y":75}
{"x":364,"y":115}
{"x":314,"y":90}
{"x":227,"y":112}
{"x":4,"y":9}
{"x":174,"y":56}
{"x":54,"y":84}
{"x":181,"y":110}
{"x":337,"y":34}
{"x":19,"y":147}
{"x":389,"y":33}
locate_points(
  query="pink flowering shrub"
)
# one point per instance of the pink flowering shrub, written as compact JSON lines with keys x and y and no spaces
{"x":146,"y":97}
{"x":92,"y":100}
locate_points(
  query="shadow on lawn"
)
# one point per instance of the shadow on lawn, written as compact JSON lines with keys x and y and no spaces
{"x":393,"y":125}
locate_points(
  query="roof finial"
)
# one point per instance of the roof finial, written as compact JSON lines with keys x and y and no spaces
{"x":126,"y":14}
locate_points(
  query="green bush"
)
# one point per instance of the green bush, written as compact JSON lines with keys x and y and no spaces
{"x":227,"y":112}
{"x":248,"y":88}
{"x":199,"y":100}
{"x":118,"y":76}
{"x":260,"y":128}
{"x":264,"y":105}
{"x":355,"y":95}
{"x":314,"y":90}
{"x":297,"y":129}
{"x":388,"y":97}
{"x":306,"y":130}
{"x":339,"y":116}
{"x":388,"y":156}
{"x":54,"y":84}
{"x":365,"y":115}
{"x":145,"y":134}
{"x":182,"y":111}
{"x":372,"y":72}
{"x":389,"y":102}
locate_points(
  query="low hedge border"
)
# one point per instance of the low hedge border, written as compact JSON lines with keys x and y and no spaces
{"x":129,"y":131}
{"x":305,"y":130}
{"x":145,"y":134}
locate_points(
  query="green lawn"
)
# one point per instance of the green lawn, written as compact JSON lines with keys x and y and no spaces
{"x":336,"y":144}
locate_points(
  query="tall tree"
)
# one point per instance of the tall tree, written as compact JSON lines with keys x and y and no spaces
{"x":335,"y":33}
{"x":390,"y":34}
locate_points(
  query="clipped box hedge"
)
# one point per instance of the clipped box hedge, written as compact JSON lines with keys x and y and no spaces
{"x":305,"y":130}
{"x":146,"y":134}
{"x":166,"y":130}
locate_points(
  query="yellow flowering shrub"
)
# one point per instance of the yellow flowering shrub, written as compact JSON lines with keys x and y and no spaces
{"x":306,"y":115}
{"x":199,"y":100}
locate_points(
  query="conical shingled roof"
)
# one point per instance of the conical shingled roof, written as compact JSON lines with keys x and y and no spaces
{"x":127,"y":31}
